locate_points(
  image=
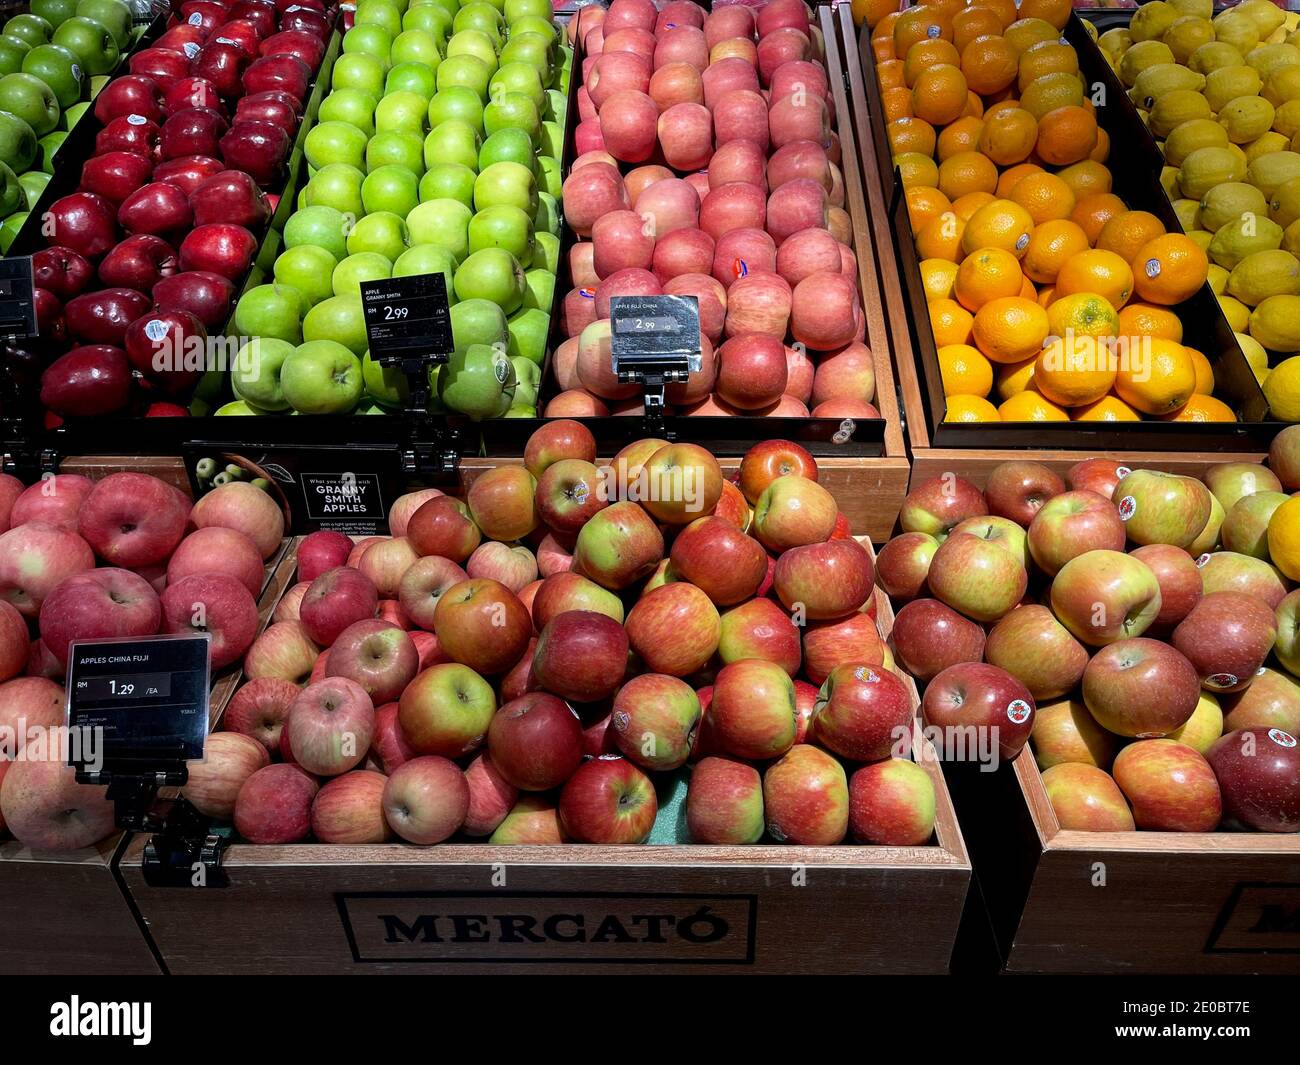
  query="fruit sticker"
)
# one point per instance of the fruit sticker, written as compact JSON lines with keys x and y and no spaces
{"x":190,"y":48}
{"x":1203,"y":560}
{"x":136,"y":120}
{"x":1127,"y":507}
{"x":932,"y":31}
{"x":621,"y":720}
{"x":195,"y":19}
{"x":1222,"y":680}
{"x":1022,"y":242}
{"x":740,"y":268}
{"x":1151,"y":268}
{"x":1018,"y":711}
{"x":155,"y":330}
{"x":866,"y":673}
{"x":1122,"y":471}
{"x":1282,"y":739}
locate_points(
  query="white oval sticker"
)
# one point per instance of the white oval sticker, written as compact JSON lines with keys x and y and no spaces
{"x":155,"y":330}
{"x":1282,"y":739}
{"x":1127,"y":507}
{"x":1018,"y":711}
{"x":136,"y":120}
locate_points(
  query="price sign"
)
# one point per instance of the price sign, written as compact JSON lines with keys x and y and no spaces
{"x":17,"y":308}
{"x":660,"y":331}
{"x":407,"y":317}
{"x":144,"y":701}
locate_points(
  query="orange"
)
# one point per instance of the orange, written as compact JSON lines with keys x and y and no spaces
{"x":1083,"y":314}
{"x":915,"y":169}
{"x":1201,"y":409}
{"x":965,"y":371}
{"x":882,"y":48}
{"x":1074,"y":371}
{"x":1046,"y":295}
{"x":970,"y":409}
{"x":1066,"y":135}
{"x":1014,"y":377}
{"x":885,"y":27}
{"x":896,"y":103}
{"x":960,"y":136}
{"x":910,"y":135}
{"x":1011,"y":177}
{"x":1101,"y":151}
{"x":1168,"y":269}
{"x":926,"y":54}
{"x":1092,"y":211}
{"x":923,"y":204}
{"x":1204,"y":373}
{"x":1107,"y":409}
{"x":1143,"y":319}
{"x":1010,"y":329}
{"x":987,"y":274}
{"x":937,"y":278}
{"x":974,"y":106}
{"x":951,"y":323}
{"x":919,"y":23}
{"x":1046,"y":57}
{"x":940,"y":238}
{"x":967,"y":172}
{"x":1010,"y":103}
{"x":1004,"y":9}
{"x":999,"y":224}
{"x":1029,"y":406}
{"x":1051,"y":246}
{"x":890,"y":73}
{"x":965,"y":206}
{"x":1045,"y":196}
{"x":972,"y":23}
{"x":1085,"y":178}
{"x":1024,"y":33}
{"x":1056,"y":12}
{"x":875,"y":11}
{"x":1155,"y":376}
{"x":939,"y":94}
{"x":1102,"y":272}
{"x":1126,"y":233}
{"x":1010,"y":137}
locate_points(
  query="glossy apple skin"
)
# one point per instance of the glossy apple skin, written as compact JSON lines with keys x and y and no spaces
{"x":158,"y":208}
{"x":581,"y":655}
{"x":938,"y":503}
{"x":87,"y":381}
{"x":721,"y":560}
{"x":763,"y":463}
{"x":1031,"y":645}
{"x":806,"y":798}
{"x":85,"y":222}
{"x":904,"y":563}
{"x":1140,"y":688}
{"x":1258,"y":771}
{"x":1018,"y":490}
{"x":1271,"y":701}
{"x":1070,"y":524}
{"x":205,"y":295}
{"x":568,"y":494}
{"x":1162,"y":508}
{"x":977,"y":577}
{"x":828,"y":644}
{"x":123,"y":135}
{"x":115,"y":175}
{"x":751,"y":712}
{"x":929,"y":636}
{"x":1227,"y":636}
{"x":861,"y":712}
{"x":1096,"y":475}
{"x":256,"y":148}
{"x":138,"y":262}
{"x":724,"y":802}
{"x":274,"y":805}
{"x":1179,"y":580}
{"x":891,"y":803}
{"x":536,"y":742}
{"x":608,"y":800}
{"x":221,"y":248}
{"x":62,"y":271}
{"x":760,"y":629}
{"x":1170,"y":787}
{"x":1104,"y":596}
{"x":443,"y":526}
{"x":654,"y":721}
{"x":1064,"y":731}
{"x":828,"y":580}
{"x":983,"y":696}
{"x":103,"y":317}
{"x":618,"y":546}
{"x":483,"y":624}
{"x":1086,"y":799}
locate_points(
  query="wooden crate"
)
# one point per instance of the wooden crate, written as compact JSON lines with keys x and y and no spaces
{"x":1125,"y":902}
{"x":390,"y":908}
{"x":927,"y":461}
{"x":76,"y":915}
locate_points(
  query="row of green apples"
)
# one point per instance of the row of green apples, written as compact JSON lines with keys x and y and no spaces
{"x":436,"y":151}
{"x":53,"y":59}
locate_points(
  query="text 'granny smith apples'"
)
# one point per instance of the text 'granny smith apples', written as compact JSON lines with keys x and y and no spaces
{"x":436,"y":150}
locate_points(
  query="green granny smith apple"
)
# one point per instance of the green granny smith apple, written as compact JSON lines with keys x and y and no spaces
{"x":535,"y":24}
{"x":379,"y":13}
{"x":449,"y":181}
{"x":479,"y":382}
{"x":528,"y":381}
{"x":369,"y":39}
{"x":339,"y":319}
{"x":468,"y":71}
{"x":33,"y":183}
{"x":359,"y":70}
{"x":59,"y":69}
{"x":503,"y":226}
{"x":368,"y":406}
{"x":335,"y":142}
{"x":356,"y":107}
{"x":546,"y":255}
{"x":238,"y":408}
{"x":394,"y":148}
{"x":384,"y":384}
{"x":547,"y":218}
{"x":533,"y":49}
{"x":26,"y":96}
{"x":29,"y":28}
{"x":13,"y":197}
{"x":510,"y":145}
{"x":48,"y":147}
{"x":18,"y":145}
{"x":91,"y":41}
{"x":431,"y":18}
{"x":441,"y":222}
{"x":512,"y":110}
{"x":336,"y":185}
{"x":518,"y":77}
{"x":363,"y":266}
{"x":273,"y":311}
{"x":306,"y":267}
{"x":412,"y":77}
{"x":459,"y":103}
{"x":550,"y":142}
{"x":549,"y":180}
{"x":54,"y":11}
{"x":255,"y":375}
{"x":428,"y":259}
{"x":539,"y":289}
{"x":529,"y":330}
{"x":556,"y":107}
{"x":12,"y":51}
{"x":382,"y":232}
{"x":402,"y":112}
{"x":506,"y":183}
{"x":452,"y":142}
{"x":491,"y":274}
{"x":416,"y":46}
{"x":113,"y":15}
{"x":479,"y":16}
{"x":478,"y":322}
{"x":390,"y":188}
{"x":322,"y":377}
{"x":517,"y":9}
{"x":322,"y":226}
{"x":72,"y":115}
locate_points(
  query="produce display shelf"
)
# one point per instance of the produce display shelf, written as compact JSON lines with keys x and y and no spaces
{"x":105,"y":935}
{"x":395,"y":908}
{"x":1060,"y":901}
{"x":971,"y":450}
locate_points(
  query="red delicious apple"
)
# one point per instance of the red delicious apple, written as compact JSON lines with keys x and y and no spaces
{"x":229,"y":759}
{"x":102,"y":317}
{"x":983,"y":697}
{"x":157,"y":208}
{"x":608,"y":800}
{"x":536,"y":742}
{"x":122,"y":134}
{"x":1170,"y":787}
{"x":258,"y":149}
{"x":220,"y":248}
{"x":84,"y":223}
{"x":259,"y":708}
{"x":90,"y":380}
{"x":193,"y":131}
{"x":188,"y":172}
{"x":806,"y":798}
{"x":1258,"y":771}
{"x":115,"y":175}
{"x":231,"y":196}
{"x":61,"y":271}
{"x":191,"y":92}
{"x":205,"y":295}
{"x":138,"y":262}
{"x":1226,"y":637}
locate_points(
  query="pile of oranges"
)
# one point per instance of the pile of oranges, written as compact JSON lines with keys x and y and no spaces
{"x":1049,"y":299}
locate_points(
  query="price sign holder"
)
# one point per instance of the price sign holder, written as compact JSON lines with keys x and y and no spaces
{"x":654,"y":341}
{"x":17,"y":303}
{"x":137,"y":712}
{"x":408,"y":325}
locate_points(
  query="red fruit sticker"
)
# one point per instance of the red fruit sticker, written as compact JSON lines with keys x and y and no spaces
{"x":587,"y":293}
{"x":1018,"y":711}
{"x":1203,"y":560}
{"x":1127,"y":507}
{"x":1222,"y":680}
{"x":1282,"y":739}
{"x":1122,"y":472}
{"x":740,"y":268}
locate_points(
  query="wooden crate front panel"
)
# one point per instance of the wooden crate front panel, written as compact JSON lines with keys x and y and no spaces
{"x":68,"y":915}
{"x":396,"y":909}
